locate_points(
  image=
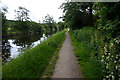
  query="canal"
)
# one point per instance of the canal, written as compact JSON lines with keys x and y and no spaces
{"x":12,"y":47}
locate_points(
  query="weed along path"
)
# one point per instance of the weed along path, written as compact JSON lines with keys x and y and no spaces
{"x":66,"y":66}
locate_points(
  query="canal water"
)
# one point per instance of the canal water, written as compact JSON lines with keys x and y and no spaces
{"x":13,"y":47}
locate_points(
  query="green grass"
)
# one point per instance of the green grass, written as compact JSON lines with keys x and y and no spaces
{"x":49,"y":70}
{"x":85,"y":52}
{"x":33,"y":62}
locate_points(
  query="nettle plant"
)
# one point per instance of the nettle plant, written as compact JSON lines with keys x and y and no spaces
{"x":111,"y":59}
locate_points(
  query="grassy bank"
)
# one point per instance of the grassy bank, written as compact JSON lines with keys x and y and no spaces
{"x":32,"y":63}
{"x":85,"y":42}
{"x":49,"y":70}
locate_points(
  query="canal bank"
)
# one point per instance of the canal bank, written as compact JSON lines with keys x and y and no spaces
{"x":34,"y":61}
{"x":12,"y":47}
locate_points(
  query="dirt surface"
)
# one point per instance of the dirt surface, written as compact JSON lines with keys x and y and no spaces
{"x":66,"y":66}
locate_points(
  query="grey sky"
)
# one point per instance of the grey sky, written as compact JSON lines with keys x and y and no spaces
{"x":38,"y":8}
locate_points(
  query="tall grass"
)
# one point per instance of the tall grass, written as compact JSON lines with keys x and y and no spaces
{"x":33,"y":62}
{"x":86,"y":42}
{"x":97,"y":53}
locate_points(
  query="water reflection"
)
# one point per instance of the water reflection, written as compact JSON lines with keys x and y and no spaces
{"x":5,"y":50}
{"x":12,"y":47}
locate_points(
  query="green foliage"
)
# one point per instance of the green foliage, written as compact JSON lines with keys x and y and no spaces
{"x":35,"y":28}
{"x":61,"y":26}
{"x":92,"y":44}
{"x":22,"y":14}
{"x":33,"y":62}
{"x":4,"y":21}
{"x":77,"y":14}
{"x":22,"y":27}
{"x":96,"y":54}
{"x":109,"y":18}
{"x":50,"y":22}
{"x":87,"y":43}
{"x":4,"y":24}
{"x":28,"y":27}
{"x":50,"y":68}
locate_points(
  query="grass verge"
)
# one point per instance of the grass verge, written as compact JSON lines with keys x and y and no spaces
{"x":33,"y":62}
{"x":85,"y":52}
{"x":49,"y":70}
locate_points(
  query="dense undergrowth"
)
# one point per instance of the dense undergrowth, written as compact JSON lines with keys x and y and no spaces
{"x":95,"y":54}
{"x":33,"y":62}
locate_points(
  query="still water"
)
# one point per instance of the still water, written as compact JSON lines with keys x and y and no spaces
{"x":13,"y":47}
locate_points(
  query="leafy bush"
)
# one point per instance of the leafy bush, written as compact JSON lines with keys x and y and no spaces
{"x":86,"y":42}
{"x":97,"y":51}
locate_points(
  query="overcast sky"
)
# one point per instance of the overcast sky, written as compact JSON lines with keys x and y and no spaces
{"x":37,"y":8}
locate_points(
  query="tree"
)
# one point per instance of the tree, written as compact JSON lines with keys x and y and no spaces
{"x":77,"y":14}
{"x":61,"y":25}
{"x":35,"y":28}
{"x":4,"y":20}
{"x":22,"y":16}
{"x":109,"y":17}
{"x":50,"y":22}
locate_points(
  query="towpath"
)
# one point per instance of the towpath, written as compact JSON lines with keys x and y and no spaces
{"x":66,"y":65}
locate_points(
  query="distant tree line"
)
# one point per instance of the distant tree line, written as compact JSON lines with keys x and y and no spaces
{"x":24,"y":25}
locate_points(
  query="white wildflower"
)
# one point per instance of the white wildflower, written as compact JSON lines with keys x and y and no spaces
{"x":116,"y":57}
{"x":105,"y":63}
{"x":116,"y":67}
{"x":105,"y":53}
{"x":105,"y":49}
{"x":112,"y":56}
{"x":104,"y":79}
{"x":107,"y":67}
{"x":113,"y":77}
{"x":102,"y":60}
{"x":111,"y":45}
{"x":107,"y":57}
{"x":110,"y":75}
{"x":107,"y":76}
{"x":115,"y":39}
{"x":114,"y":61}
{"x":103,"y":56}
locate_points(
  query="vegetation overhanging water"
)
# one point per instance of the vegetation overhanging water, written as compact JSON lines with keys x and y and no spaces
{"x":13,"y":47}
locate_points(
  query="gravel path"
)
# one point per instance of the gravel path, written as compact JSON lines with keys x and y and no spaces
{"x":66,"y":66}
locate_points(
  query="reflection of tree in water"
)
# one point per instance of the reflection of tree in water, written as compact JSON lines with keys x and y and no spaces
{"x":25,"y":41}
{"x":21,"y":43}
{"x":48,"y":34}
{"x":5,"y":50}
